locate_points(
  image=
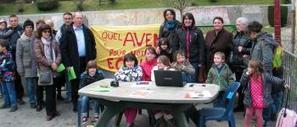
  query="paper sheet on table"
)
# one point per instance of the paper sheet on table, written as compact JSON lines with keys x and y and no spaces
{"x":98,"y":88}
{"x":140,"y":93}
{"x":195,"y":94}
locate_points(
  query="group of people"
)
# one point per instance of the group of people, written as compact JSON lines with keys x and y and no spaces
{"x":220,"y":58}
{"x":30,"y":60}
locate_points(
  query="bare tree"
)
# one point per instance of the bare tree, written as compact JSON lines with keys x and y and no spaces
{"x":180,"y":5}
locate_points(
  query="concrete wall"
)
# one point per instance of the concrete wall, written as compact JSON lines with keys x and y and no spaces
{"x":203,"y":15}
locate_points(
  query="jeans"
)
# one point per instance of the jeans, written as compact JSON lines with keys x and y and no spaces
{"x":31,"y":89}
{"x":1,"y":89}
{"x":219,"y":101}
{"x":68,"y":90}
{"x":9,"y":94}
{"x":83,"y":107}
{"x":195,"y":76}
{"x":187,"y":77}
{"x":84,"y":101}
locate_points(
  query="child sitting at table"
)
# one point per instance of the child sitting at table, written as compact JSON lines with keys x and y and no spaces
{"x":182,"y":64}
{"x":163,"y":63}
{"x":130,"y":71}
{"x":221,"y":75}
{"x":149,"y":63}
{"x":91,"y":75}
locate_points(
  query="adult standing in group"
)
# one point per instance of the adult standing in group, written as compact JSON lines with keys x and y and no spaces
{"x":240,"y":53}
{"x":60,"y":77}
{"x":168,"y":29}
{"x":191,"y":41}
{"x":217,"y":40}
{"x":48,"y":57}
{"x":25,"y":60}
{"x":78,"y":47}
{"x":68,"y":19}
{"x":262,"y":45}
{"x":17,"y":32}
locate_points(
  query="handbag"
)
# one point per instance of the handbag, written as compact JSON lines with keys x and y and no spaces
{"x":45,"y":76}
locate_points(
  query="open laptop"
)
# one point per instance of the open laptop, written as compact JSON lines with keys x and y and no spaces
{"x":169,"y":78}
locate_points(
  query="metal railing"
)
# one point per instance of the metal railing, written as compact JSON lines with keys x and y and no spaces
{"x":290,"y":75}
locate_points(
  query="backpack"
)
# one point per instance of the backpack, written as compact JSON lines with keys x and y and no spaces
{"x":277,"y":57}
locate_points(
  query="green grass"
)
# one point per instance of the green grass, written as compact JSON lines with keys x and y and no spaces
{"x":91,"y":5}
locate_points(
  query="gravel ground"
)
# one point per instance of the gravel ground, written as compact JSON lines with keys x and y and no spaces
{"x":27,"y":117}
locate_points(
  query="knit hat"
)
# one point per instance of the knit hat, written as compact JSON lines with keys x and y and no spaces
{"x":28,"y":22}
{"x":3,"y":21}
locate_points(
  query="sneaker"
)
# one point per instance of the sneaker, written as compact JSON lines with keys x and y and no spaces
{"x":13,"y":109}
{"x":96,"y":118}
{"x":4,"y":106}
{"x":84,"y":121}
{"x":33,"y":106}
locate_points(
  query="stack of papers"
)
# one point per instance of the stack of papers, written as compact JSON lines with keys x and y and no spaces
{"x":197,"y":94}
{"x":140,"y":93}
{"x":98,"y":88}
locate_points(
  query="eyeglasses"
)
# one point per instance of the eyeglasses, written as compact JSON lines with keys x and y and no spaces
{"x":46,"y":31}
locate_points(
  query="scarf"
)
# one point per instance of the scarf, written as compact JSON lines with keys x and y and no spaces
{"x":49,"y":52}
{"x":170,"y":25}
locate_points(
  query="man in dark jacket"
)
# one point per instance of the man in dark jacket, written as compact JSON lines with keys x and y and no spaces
{"x":12,"y":40}
{"x":78,"y":47}
{"x":67,"y":17}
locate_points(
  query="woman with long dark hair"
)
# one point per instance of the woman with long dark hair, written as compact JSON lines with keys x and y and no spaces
{"x":168,"y":29}
{"x":191,"y":41}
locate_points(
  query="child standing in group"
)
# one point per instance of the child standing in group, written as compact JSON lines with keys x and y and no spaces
{"x":4,"y":32}
{"x":7,"y":77}
{"x":91,"y":75}
{"x":221,"y":75}
{"x":164,"y":48}
{"x":257,"y":91}
{"x":149,"y":63}
{"x":130,"y":72}
{"x":182,"y":64}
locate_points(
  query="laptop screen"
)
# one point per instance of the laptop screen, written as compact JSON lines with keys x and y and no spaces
{"x":168,"y":78}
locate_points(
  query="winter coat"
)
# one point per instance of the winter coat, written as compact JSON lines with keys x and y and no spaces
{"x":222,"y":41}
{"x":196,"y":47}
{"x":17,"y":32}
{"x":25,"y":57}
{"x":147,"y":67}
{"x":240,"y":39}
{"x":184,"y":67}
{"x":268,"y":81}
{"x":86,"y":79}
{"x":262,"y":50}
{"x":7,"y":66}
{"x":129,"y":74}
{"x":43,"y":64}
{"x":4,"y":34}
{"x":222,"y":78}
{"x":170,"y":35}
{"x":69,"y":48}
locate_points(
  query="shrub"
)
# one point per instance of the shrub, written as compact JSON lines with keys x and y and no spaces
{"x":47,"y":5}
